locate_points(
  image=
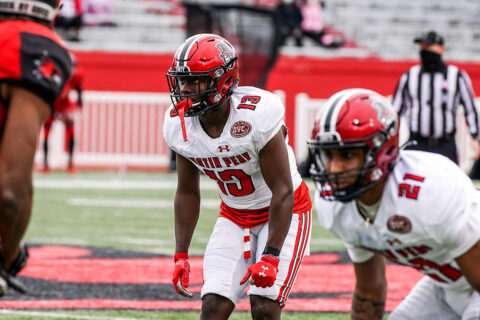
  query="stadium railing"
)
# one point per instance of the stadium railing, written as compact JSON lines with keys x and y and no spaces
{"x":124,"y":130}
{"x":114,"y":130}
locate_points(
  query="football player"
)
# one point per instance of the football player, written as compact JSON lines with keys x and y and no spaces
{"x":411,"y":207}
{"x":237,"y":137}
{"x":34,"y":66}
{"x":65,"y":108}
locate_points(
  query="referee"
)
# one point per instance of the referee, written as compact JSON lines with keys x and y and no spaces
{"x":429,"y":95}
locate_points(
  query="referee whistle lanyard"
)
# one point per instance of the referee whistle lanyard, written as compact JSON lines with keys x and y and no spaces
{"x":247,"y":253}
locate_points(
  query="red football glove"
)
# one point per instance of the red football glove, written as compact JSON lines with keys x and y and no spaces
{"x":181,"y":274}
{"x":263,"y":273}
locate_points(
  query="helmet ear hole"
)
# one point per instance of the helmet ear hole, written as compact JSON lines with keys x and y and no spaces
{"x":229,"y":80}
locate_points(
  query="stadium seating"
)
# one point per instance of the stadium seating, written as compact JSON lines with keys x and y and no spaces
{"x":374,"y":27}
{"x":138,"y":25}
{"x":387,"y":28}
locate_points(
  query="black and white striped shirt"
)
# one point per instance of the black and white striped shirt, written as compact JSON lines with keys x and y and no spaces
{"x":430,"y":100}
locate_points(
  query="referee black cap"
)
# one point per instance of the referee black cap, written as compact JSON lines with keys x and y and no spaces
{"x":429,"y":37}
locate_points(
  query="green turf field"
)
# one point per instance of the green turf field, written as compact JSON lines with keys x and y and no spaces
{"x":127,"y":211}
{"x":151,"y":315}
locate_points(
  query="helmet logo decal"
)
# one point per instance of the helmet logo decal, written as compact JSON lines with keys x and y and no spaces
{"x":226,"y":54}
{"x":385,"y":116}
{"x":240,"y":129}
{"x":399,"y":224}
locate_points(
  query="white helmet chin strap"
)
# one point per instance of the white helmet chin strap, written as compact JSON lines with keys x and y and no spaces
{"x":31,"y":8}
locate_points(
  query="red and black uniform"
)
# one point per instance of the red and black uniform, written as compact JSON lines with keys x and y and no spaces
{"x":33,"y":57}
{"x":64,"y":103}
{"x":64,"y":108}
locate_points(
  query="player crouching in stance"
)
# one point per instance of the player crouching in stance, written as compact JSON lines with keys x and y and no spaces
{"x":414,"y":208}
{"x":237,"y":137}
{"x":34,"y":66}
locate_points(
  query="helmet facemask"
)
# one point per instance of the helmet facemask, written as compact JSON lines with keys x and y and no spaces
{"x":197,"y":96}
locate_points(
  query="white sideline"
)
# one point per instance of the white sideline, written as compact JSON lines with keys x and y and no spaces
{"x":77,"y":242}
{"x":114,"y":184}
{"x":60,"y":315}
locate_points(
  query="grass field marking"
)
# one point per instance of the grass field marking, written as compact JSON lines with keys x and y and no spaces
{"x":141,"y":241}
{"x":57,"y":315}
{"x":325,"y":241}
{"x":80,"y":242}
{"x":114,"y":184}
{"x":60,"y":240}
{"x":135,"y":203}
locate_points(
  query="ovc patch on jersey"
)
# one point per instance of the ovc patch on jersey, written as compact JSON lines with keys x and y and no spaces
{"x":399,"y":224}
{"x":240,"y":129}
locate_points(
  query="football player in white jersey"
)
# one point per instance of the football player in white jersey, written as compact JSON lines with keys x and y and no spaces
{"x":237,"y":137}
{"x":414,"y":208}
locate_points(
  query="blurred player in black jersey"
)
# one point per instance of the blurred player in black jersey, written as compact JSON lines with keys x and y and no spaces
{"x":34,"y":66}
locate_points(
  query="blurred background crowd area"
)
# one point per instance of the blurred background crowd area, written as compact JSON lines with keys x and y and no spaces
{"x":302,"y":50}
{"x":360,"y":28}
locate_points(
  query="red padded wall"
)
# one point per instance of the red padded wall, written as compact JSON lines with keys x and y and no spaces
{"x":318,"y":77}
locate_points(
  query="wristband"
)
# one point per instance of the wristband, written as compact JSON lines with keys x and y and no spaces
{"x":271,"y":250}
{"x":180,"y":255}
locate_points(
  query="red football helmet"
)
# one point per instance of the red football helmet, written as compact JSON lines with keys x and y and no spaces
{"x":39,"y":9}
{"x":206,"y":56}
{"x":354,"y":118}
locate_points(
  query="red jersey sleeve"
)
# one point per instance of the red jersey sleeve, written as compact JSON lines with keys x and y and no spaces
{"x":33,"y":57}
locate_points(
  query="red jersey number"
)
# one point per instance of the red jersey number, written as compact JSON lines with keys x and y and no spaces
{"x":409,"y":190}
{"x":233,"y":182}
{"x":249,"y":102}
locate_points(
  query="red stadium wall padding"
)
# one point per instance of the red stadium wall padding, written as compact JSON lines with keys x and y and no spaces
{"x":318,"y":77}
{"x":124,"y":71}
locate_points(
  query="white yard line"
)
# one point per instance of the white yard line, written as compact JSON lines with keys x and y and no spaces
{"x":124,"y":184}
{"x":103,"y":184}
{"x":142,"y":241}
{"x":114,"y":184}
{"x":43,"y":315}
{"x":135,"y":203}
{"x":57,"y":240}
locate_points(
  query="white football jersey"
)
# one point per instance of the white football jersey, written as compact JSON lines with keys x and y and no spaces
{"x":429,"y":214}
{"x":233,"y":158}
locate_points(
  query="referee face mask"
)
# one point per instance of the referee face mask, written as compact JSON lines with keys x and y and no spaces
{"x":431,"y":61}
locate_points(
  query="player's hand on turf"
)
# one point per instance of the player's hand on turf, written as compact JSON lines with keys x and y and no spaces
{"x":7,"y":282}
{"x":181,"y":274}
{"x":263,"y":273}
{"x":8,"y":278}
